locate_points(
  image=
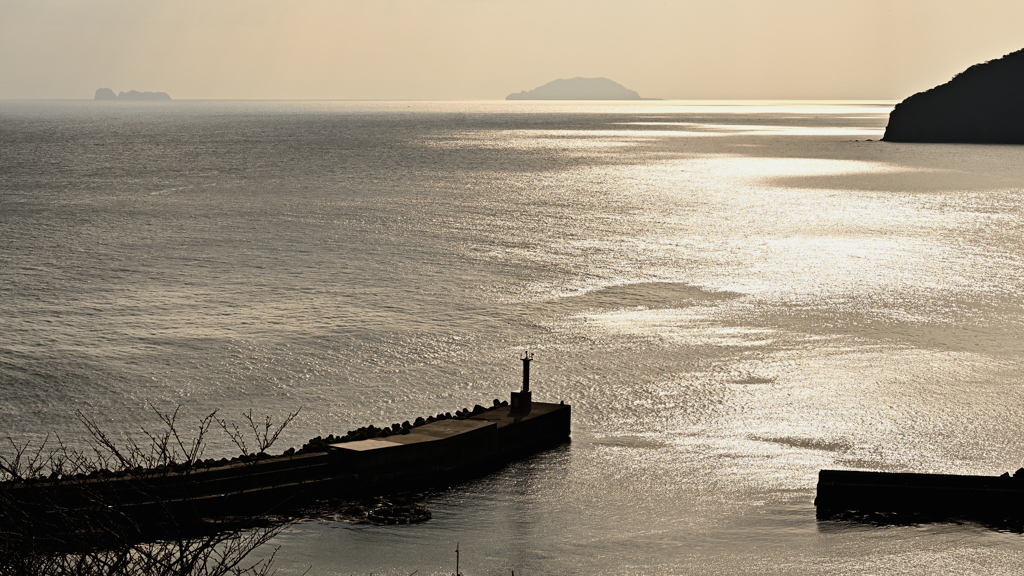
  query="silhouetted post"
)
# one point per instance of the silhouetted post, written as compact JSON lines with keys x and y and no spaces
{"x":522,"y":401}
{"x":526,"y":370}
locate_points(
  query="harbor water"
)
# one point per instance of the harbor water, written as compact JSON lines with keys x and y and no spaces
{"x":731,"y":296}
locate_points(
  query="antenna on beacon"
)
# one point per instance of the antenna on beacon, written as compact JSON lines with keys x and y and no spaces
{"x":522,"y":401}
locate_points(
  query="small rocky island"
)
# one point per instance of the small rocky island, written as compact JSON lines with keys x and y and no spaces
{"x":578,"y":89}
{"x":982,"y":105}
{"x":108,"y":94}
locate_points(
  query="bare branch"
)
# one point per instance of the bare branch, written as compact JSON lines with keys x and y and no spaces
{"x":264,"y":434}
{"x":99,"y":437}
{"x":235,"y":435}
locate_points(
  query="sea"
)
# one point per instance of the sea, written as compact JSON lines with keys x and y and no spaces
{"x":731,"y":296}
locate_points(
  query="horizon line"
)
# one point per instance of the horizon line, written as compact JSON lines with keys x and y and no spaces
{"x":641,"y":100}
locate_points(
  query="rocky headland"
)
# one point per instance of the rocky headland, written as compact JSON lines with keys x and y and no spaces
{"x":982,"y":104}
{"x":108,"y":94}
{"x":578,"y":89}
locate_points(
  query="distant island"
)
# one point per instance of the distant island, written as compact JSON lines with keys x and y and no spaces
{"x":578,"y":89}
{"x":108,"y":94}
{"x":983,"y":104}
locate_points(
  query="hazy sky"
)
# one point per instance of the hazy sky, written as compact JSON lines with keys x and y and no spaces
{"x":485,"y":49}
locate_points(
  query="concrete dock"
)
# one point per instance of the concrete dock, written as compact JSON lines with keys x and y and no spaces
{"x":454,"y":448}
{"x":932,"y":495}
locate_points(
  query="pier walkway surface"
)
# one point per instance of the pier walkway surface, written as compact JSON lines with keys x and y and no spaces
{"x":445,"y":450}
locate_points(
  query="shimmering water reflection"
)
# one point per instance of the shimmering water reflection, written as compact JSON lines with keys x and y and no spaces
{"x":726,"y":314}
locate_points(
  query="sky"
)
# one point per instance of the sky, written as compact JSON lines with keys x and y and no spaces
{"x":486,"y":49}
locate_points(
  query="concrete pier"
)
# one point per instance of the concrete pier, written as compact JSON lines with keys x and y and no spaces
{"x":934,"y":495}
{"x":452,"y":448}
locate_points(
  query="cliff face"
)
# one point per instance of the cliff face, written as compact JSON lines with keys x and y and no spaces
{"x":983,"y":104}
{"x":578,"y":89}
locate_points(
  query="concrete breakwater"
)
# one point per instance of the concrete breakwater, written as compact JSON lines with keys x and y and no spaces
{"x":936,"y":496}
{"x":427,"y":452}
{"x":317,"y":444}
{"x":368,"y":432}
{"x":369,"y":461}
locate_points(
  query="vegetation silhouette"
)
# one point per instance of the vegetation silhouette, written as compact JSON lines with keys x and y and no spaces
{"x":81,"y":526}
{"x":980,"y":105}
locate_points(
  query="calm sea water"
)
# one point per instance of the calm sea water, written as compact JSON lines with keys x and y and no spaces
{"x":731,"y":296}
